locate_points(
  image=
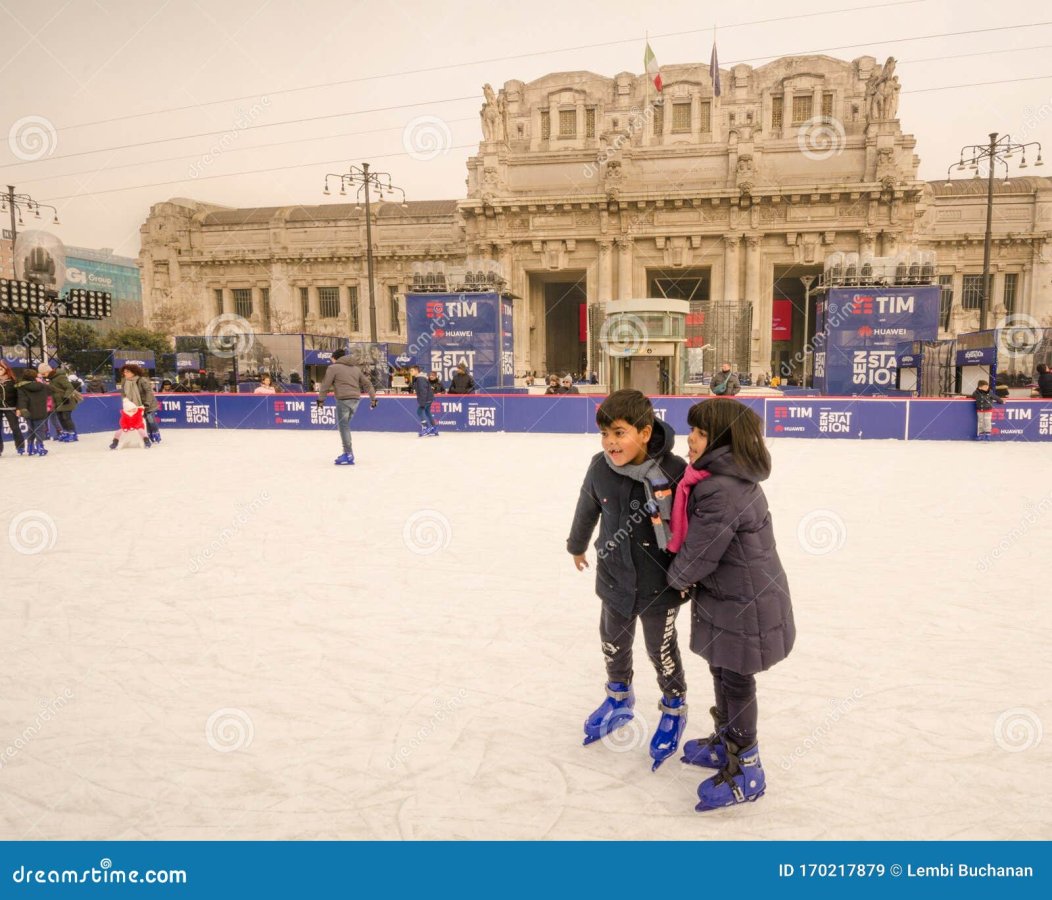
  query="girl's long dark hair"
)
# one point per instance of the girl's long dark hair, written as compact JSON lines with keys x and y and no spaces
{"x":727,"y":422}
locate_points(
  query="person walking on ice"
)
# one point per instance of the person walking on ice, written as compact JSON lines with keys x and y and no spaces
{"x":345,"y":379}
{"x":742,"y":615}
{"x":424,"y":395}
{"x":627,"y":490}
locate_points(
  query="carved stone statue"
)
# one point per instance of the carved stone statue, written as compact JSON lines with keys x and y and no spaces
{"x":745,"y":169}
{"x":882,"y":92}
{"x":492,"y":117}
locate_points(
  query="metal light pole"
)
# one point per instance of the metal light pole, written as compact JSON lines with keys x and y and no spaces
{"x":807,"y":281}
{"x":998,"y":151}
{"x":361,"y":178}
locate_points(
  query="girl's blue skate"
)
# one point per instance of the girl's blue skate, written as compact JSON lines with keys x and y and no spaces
{"x":613,"y":712}
{"x":669,"y":730}
{"x":709,"y":752}
{"x":740,"y":781}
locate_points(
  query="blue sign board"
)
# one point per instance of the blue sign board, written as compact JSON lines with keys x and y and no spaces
{"x":144,"y":358}
{"x":861,"y":330}
{"x":446,"y":330}
{"x":123,"y":282}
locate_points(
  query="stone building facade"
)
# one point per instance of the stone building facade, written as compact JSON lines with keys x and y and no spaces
{"x":587,"y":189}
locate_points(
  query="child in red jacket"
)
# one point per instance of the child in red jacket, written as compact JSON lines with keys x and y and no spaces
{"x":131,"y":420}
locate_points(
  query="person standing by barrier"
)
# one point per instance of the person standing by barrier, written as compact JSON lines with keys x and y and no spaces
{"x":461,"y":382}
{"x":137,"y":388}
{"x":266,"y":386}
{"x":345,"y":379}
{"x":1044,"y":382}
{"x":984,"y":405}
{"x":8,"y":405}
{"x":725,"y":383}
{"x":66,"y":398}
{"x":424,"y":395}
{"x":33,"y":396}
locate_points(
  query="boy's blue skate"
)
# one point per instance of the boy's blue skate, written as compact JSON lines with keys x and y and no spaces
{"x":740,"y":781}
{"x":710,"y":752}
{"x":669,"y":730}
{"x":344,"y":459}
{"x":612,"y":713}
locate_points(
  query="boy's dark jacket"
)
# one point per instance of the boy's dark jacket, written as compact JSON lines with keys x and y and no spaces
{"x":32,"y":399}
{"x":631,"y":572}
{"x":424,"y":393}
{"x":741,"y":615}
{"x":985,"y":400}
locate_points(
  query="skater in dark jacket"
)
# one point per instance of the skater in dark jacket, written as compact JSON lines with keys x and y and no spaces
{"x":461,"y":382}
{"x":8,"y":405}
{"x":33,"y":396}
{"x":436,"y":383}
{"x":424,"y":395}
{"x":627,"y":490}
{"x":741,"y":612}
{"x":984,"y":404}
{"x":67,"y":398}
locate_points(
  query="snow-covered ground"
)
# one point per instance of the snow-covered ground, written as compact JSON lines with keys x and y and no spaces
{"x":228,"y":637}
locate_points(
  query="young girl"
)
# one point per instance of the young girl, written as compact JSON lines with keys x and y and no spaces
{"x":266,"y":386}
{"x":742,"y":617}
{"x":131,"y":420}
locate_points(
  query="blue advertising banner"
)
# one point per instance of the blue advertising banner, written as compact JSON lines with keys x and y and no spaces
{"x":507,"y":343}
{"x":825,"y":418}
{"x":855,"y":355}
{"x":188,"y":362}
{"x":121,"y":281}
{"x":977,"y":356}
{"x":144,"y":358}
{"x":446,"y":330}
{"x":186,"y":410}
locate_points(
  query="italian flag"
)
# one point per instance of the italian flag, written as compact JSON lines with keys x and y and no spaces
{"x":650,"y":63}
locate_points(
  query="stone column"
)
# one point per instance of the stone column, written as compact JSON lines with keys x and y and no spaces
{"x":228,"y":301}
{"x":787,"y":112}
{"x":761,"y":302}
{"x":624,"y":269}
{"x":606,"y":272}
{"x":729,"y":305}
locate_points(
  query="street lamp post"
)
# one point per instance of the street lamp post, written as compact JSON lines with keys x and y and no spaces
{"x":998,"y":151}
{"x":361,"y":178}
{"x":807,"y":280}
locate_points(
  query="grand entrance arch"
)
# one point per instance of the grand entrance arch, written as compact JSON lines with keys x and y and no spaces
{"x":558,"y":325}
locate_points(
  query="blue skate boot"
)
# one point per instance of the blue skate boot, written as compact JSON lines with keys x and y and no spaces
{"x":344,"y":459}
{"x":710,"y":752}
{"x":71,"y":437}
{"x":41,"y":449}
{"x":21,"y":450}
{"x":670,"y":729}
{"x":612,"y":713}
{"x":155,"y":436}
{"x":740,"y":781}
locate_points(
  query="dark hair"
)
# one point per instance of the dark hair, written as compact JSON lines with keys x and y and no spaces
{"x":631,"y":405}
{"x":137,"y":371}
{"x":979,"y":384}
{"x":1041,"y":368}
{"x":30,"y":374}
{"x":414,"y":366}
{"x":337,"y":354}
{"x":728,"y":423}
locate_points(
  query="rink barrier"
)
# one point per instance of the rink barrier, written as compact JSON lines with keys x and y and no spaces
{"x":806,"y":417}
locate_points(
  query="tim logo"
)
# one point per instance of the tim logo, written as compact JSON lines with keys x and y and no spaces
{"x":834,"y":422}
{"x":865,"y":331}
{"x":446,"y":407}
{"x":290,"y":406}
{"x":171,"y":405}
{"x":1012,"y":415}
{"x":862,"y":306}
{"x":437,"y":309}
{"x":781,"y":412}
{"x":792,"y":412}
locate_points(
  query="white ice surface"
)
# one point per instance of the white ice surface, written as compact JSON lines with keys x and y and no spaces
{"x":358,"y":688}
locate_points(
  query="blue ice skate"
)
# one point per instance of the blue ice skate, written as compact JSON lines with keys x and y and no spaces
{"x":156,"y":437}
{"x":710,"y":752}
{"x":665,"y":741}
{"x":740,"y":781}
{"x":612,"y":713}
{"x":344,"y":459}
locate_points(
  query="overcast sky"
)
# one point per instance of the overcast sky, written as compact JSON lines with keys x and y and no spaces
{"x":85,"y":79}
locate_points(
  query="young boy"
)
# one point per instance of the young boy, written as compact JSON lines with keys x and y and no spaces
{"x":984,"y":403}
{"x":424,"y":395}
{"x":629,"y":486}
{"x":33,"y":395}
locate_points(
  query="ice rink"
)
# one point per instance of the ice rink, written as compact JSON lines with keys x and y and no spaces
{"x":228,"y":637}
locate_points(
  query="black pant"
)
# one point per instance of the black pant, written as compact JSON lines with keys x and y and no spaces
{"x":736,"y":704}
{"x":659,"y":635}
{"x":65,"y":421}
{"x":37,"y":430}
{"x":16,"y":428}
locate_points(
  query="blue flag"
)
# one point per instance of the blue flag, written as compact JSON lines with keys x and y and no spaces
{"x":714,"y":71}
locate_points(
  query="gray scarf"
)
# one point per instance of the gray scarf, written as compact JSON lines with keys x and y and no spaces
{"x":658,"y":491}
